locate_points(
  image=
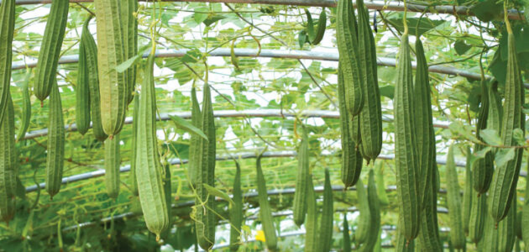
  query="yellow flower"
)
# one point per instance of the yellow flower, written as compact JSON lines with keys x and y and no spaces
{"x":260,"y":236}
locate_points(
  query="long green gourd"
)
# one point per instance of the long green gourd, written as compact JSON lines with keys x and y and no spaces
{"x":326,"y":221}
{"x":51,"y":48}
{"x":457,"y":236}
{"x":7,"y":207}
{"x":406,"y":158}
{"x":112,"y":163}
{"x":90,"y":48}
{"x":204,"y":202}
{"x":525,"y":212}
{"x":489,"y":241}
{"x":495,"y":114}
{"x":167,"y":188}
{"x":381,"y":185}
{"x":322,"y":26}
{"x":351,"y":157}
{"x":26,"y":108}
{"x":503,"y":186}
{"x":236,"y":215}
{"x":346,"y":237}
{"x":354,"y":132}
{"x":8,"y":164}
{"x":82,"y":89}
{"x":402,"y":244}
{"x":130,"y":41}
{"x":378,"y":245}
{"x":311,"y":34}
{"x":134,"y":143}
{"x":311,"y":224}
{"x":506,"y":230}
{"x":265,"y":212}
{"x":194,"y":141}
{"x":371,"y":114}
{"x":56,"y":138}
{"x":21,"y":189}
{"x":518,"y":225}
{"x":374,"y":209}
{"x":482,"y":169}
{"x":364,"y":219}
{"x":149,"y":170}
{"x":111,"y":53}
{"x":467,"y":195}
{"x":347,"y":40}
{"x":300,"y":200}
{"x":424,"y":119}
{"x":7,"y":29}
{"x":428,"y":238}
{"x":8,"y":158}
{"x":478,"y":215}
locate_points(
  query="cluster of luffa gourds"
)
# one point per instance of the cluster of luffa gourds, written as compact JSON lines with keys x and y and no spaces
{"x":103,"y":94}
{"x":415,"y":153}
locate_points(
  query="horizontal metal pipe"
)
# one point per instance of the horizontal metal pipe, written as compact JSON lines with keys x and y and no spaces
{"x":268,"y":53}
{"x":262,"y":113}
{"x":373,"y":5}
{"x":248,"y":155}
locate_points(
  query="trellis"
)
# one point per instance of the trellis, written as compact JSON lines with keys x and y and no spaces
{"x":374,"y":5}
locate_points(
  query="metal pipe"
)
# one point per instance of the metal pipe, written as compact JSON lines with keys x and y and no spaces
{"x":176,"y":161}
{"x":233,"y":114}
{"x":266,"y":53}
{"x":373,"y":5}
{"x":247,"y":155}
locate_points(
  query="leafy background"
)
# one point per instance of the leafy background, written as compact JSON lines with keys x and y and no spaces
{"x":291,"y":85}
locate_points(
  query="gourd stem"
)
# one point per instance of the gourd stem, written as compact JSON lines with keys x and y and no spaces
{"x":404,"y":19}
{"x":506,"y":16}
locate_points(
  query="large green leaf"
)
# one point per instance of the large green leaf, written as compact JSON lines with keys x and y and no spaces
{"x":425,"y":25}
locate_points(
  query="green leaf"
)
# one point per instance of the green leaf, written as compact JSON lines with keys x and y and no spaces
{"x":127,"y":64}
{"x":425,"y":25}
{"x":503,"y":156}
{"x":488,"y":10}
{"x":491,"y":137}
{"x":525,"y":108}
{"x":132,"y":61}
{"x":387,"y":91}
{"x":216,"y":192}
{"x":518,"y":136}
{"x":192,"y":56}
{"x":498,"y":67}
{"x":302,"y":38}
{"x":180,"y":150}
{"x":461,"y":47}
{"x":481,"y":153}
{"x":187,"y":126}
{"x":458,"y":128}
{"x":213,"y":19}
{"x":200,"y":14}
